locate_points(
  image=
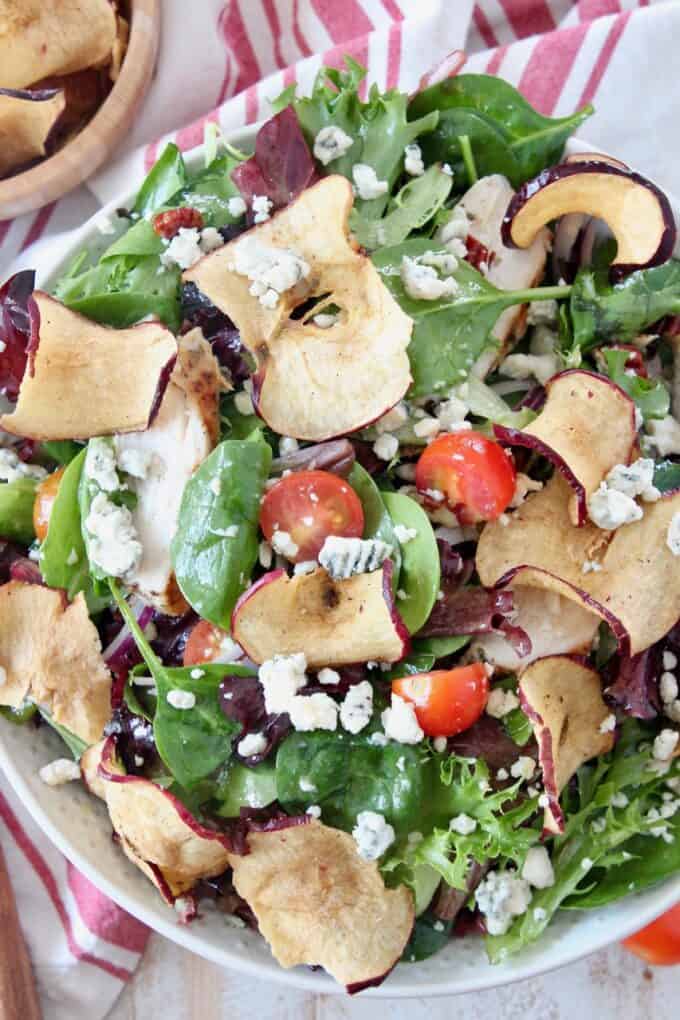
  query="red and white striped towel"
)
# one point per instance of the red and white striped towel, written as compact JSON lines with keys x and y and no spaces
{"x":222,"y":62}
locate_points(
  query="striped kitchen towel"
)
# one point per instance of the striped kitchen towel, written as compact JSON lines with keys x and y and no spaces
{"x":223,"y":62}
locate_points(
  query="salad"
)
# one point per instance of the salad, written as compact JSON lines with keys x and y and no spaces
{"x":340,"y":509}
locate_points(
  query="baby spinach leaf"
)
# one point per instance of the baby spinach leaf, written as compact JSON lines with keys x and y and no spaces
{"x":650,"y":395}
{"x":215,"y":547}
{"x":139,"y":241}
{"x":419,"y":576}
{"x":412,"y":207}
{"x":245,"y":787}
{"x":166,"y":177}
{"x":76,"y":746}
{"x":601,"y":311}
{"x":450,"y":333}
{"x":440,"y":647}
{"x":379,"y":126}
{"x":429,"y":935}
{"x":487,"y":141}
{"x":63,"y":560}
{"x":419,"y":662}
{"x":377,"y":521}
{"x":194,"y":742}
{"x":61,"y":450}
{"x":16,"y":510}
{"x":534,"y":140}
{"x":518,"y":727}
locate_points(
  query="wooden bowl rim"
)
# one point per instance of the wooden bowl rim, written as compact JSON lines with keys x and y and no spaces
{"x":84,"y":154}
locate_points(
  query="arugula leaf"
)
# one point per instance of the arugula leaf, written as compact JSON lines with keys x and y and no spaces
{"x":420,"y":568}
{"x":602,"y":311}
{"x":377,"y":521}
{"x":167,"y":176}
{"x":449,"y":334}
{"x":650,"y":395}
{"x":212,"y":565}
{"x":412,"y":207}
{"x":16,"y":510}
{"x":533,"y":140}
{"x":379,"y":126}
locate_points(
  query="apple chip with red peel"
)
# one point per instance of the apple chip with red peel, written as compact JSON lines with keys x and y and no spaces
{"x":40,"y":39}
{"x":27,"y":120}
{"x":553,"y":624}
{"x":90,"y":760}
{"x":313,"y":895}
{"x":586,"y":427}
{"x":185,"y":430}
{"x":89,"y":380}
{"x":312,"y":383}
{"x":335,"y":623}
{"x":50,"y":651}
{"x":562,"y":697}
{"x":629,"y":577}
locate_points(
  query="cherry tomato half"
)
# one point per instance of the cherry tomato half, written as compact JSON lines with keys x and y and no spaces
{"x":45,"y":495}
{"x":310,"y":506}
{"x":659,"y":942}
{"x":474,"y":474}
{"x":446,"y":701}
{"x":204,"y":643}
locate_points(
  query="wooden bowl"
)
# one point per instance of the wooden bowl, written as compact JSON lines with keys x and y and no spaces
{"x":85,"y":153}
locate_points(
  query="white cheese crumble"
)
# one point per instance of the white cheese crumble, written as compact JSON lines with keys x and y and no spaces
{"x":182,"y":700}
{"x":197,"y":674}
{"x":427,"y":428}
{"x":413,"y":160}
{"x":393,"y":419}
{"x":668,"y":687}
{"x":72,"y":558}
{"x":114,"y":545}
{"x":665,"y":744}
{"x":523,"y":486}
{"x":262,"y":207}
{"x":400,"y":722}
{"x":287,"y":444}
{"x":634,"y":479}
{"x":252,"y":743}
{"x":610,"y":509}
{"x":523,"y":768}
{"x":265,"y":554}
{"x":453,"y":234}
{"x":343,"y":557}
{"x":210,"y":239}
{"x":463,"y":825}
{"x":189,"y":244}
{"x":236,"y":206}
{"x":331,"y":143}
{"x":271,"y":271}
{"x":325,"y":320}
{"x":404,"y":534}
{"x":328,"y":676}
{"x":670,"y":660}
{"x":502,"y":896}
{"x":386,"y":447}
{"x":284,"y":545}
{"x":136,"y":463}
{"x":525,"y":366}
{"x":423,"y":283}
{"x":537,"y":868}
{"x":673,"y":535}
{"x":440,"y":744}
{"x":305,"y":567}
{"x":366,"y":183}
{"x":542,"y":313}
{"x":357,"y":708}
{"x":243,"y":402}
{"x":281,"y":678}
{"x":58,"y":772}
{"x":100,"y":465}
{"x":664,"y":434}
{"x":317,"y":712}
{"x":501,"y":703}
{"x":620,"y":800}
{"x":451,"y":413}
{"x":608,"y":724}
{"x":372,"y":835}
{"x":229,"y":651}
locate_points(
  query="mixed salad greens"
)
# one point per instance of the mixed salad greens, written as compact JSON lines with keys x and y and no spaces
{"x":340,"y":520}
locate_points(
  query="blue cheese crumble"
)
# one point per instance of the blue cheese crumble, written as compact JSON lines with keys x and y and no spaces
{"x":343,"y":557}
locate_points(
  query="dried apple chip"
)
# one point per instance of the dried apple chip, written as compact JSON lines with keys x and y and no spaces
{"x":40,"y":39}
{"x":586,"y":427}
{"x":89,"y":380}
{"x":50,"y":651}
{"x":629,"y":577}
{"x":334,"y":623}
{"x":311,"y":382}
{"x":318,"y":903}
{"x":562,"y":698}
{"x":27,"y":120}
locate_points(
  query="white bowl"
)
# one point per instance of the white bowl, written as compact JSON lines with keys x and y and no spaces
{"x":79,"y":826}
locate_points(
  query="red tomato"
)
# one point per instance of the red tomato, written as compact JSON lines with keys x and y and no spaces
{"x":446,"y":701}
{"x":310,"y":506}
{"x":203,"y":644}
{"x":475,"y":475}
{"x":45,"y":495}
{"x":659,"y":942}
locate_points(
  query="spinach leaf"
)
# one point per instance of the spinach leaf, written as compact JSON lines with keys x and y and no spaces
{"x":518,"y":727}
{"x":195,"y":742}
{"x":535,"y":141}
{"x":215,"y":547}
{"x":488,"y":143}
{"x":234,"y":424}
{"x":379,"y":126}
{"x":140,"y":240}
{"x":412,"y":207}
{"x":419,"y":662}
{"x":420,"y":570}
{"x":16,"y":510}
{"x":21,"y":715}
{"x":667,"y":475}
{"x":167,"y":176}
{"x":63,"y":558}
{"x":429,"y":935}
{"x":650,"y":395}
{"x":61,"y":450}
{"x":76,"y":746}
{"x":245,"y":787}
{"x":601,"y":311}
{"x":377,"y":521}
{"x":449,"y":334}
{"x":440,"y":647}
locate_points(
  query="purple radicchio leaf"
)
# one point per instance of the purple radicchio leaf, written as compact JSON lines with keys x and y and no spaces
{"x":134,"y":739}
{"x":218,"y":329}
{"x":17,"y":331}
{"x":634,"y":686}
{"x":488,"y":739}
{"x":282,"y":166}
{"x":242,"y":700}
{"x":472,"y":610}
{"x":266,"y":819}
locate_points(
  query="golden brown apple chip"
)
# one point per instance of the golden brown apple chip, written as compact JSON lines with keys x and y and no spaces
{"x":26,"y":121}
{"x":50,"y":652}
{"x":317,"y":902}
{"x":89,"y":380}
{"x":563,"y":699}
